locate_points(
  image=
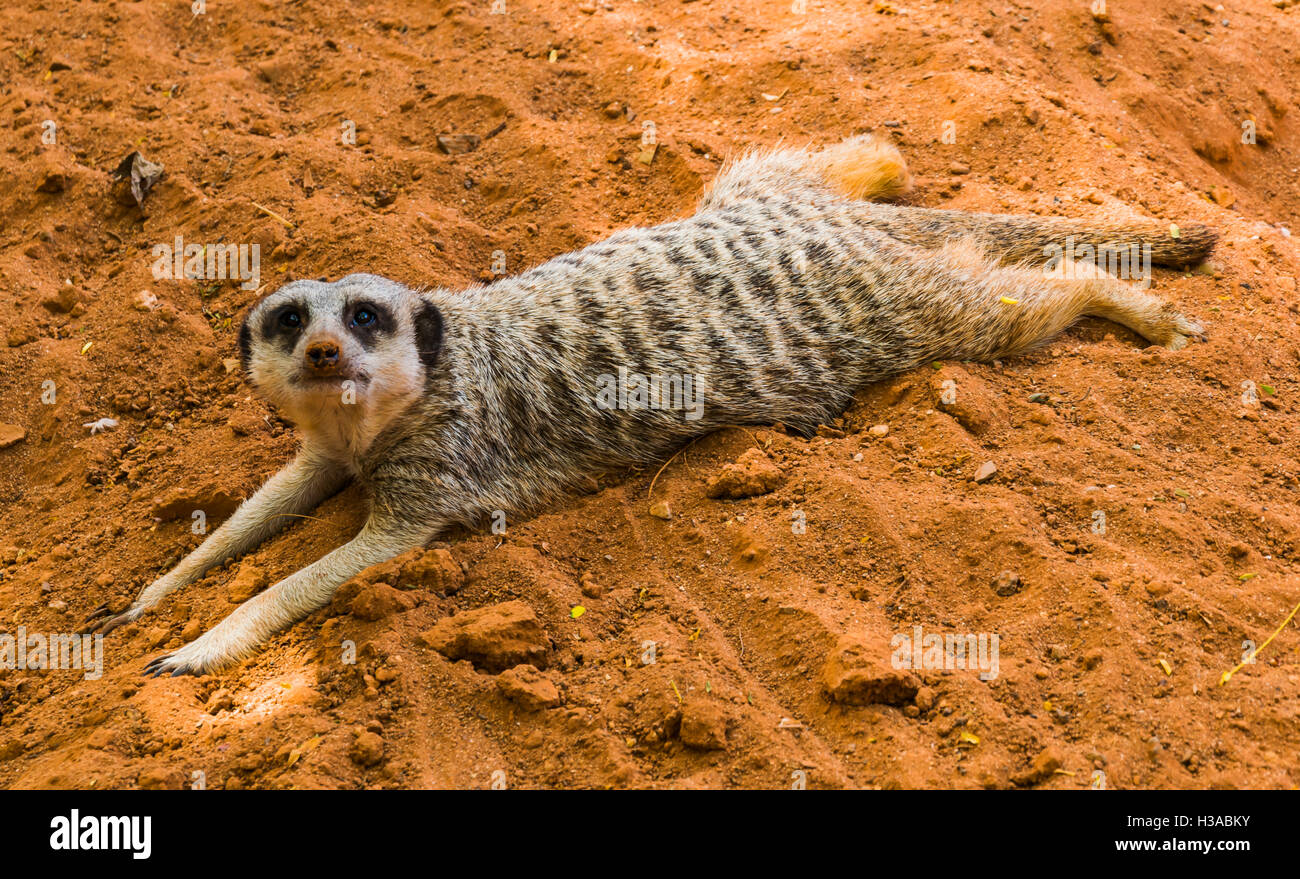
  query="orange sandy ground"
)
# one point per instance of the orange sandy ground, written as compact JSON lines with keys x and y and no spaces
{"x":1051,"y":112}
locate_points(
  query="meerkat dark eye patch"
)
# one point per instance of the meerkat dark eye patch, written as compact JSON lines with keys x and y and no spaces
{"x":368,"y":321}
{"x":284,"y":323}
{"x":428,"y":333}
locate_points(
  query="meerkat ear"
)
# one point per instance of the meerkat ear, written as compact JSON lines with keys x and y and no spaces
{"x":428,"y":332}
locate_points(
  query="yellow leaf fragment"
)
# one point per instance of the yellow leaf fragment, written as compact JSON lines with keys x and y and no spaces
{"x":305,"y":748}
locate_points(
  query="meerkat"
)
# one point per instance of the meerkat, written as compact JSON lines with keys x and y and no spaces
{"x":790,"y":288}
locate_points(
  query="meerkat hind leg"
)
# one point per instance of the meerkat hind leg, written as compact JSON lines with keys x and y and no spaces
{"x":1126,"y":304}
{"x":985,"y":311}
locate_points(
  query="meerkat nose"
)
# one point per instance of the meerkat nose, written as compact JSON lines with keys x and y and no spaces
{"x":323,"y":355}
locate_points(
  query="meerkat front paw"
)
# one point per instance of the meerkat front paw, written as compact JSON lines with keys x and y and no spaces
{"x":198,"y":657}
{"x":175,"y":664}
{"x":102,"y":620}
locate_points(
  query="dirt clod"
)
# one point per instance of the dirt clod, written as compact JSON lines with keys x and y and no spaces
{"x":435,"y":570}
{"x":853,"y":676}
{"x":1044,"y":766}
{"x":752,"y":474}
{"x":1007,"y":583}
{"x":375,"y":601}
{"x":220,"y":700}
{"x":493,"y":638}
{"x":11,"y":435}
{"x":528,"y":687}
{"x":367,"y":749}
{"x":703,"y":725}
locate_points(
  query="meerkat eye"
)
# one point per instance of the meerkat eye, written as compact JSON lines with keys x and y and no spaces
{"x":363,"y":316}
{"x":291,"y":319}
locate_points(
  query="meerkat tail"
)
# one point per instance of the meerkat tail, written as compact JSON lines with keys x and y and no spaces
{"x":866,"y":167}
{"x":1012,"y":238}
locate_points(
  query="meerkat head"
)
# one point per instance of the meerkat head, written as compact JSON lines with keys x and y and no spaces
{"x":356,"y":349}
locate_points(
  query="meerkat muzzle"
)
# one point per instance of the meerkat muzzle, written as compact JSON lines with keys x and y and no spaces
{"x":323,"y":357}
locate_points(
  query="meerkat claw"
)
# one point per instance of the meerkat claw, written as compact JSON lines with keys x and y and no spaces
{"x":114,"y":622}
{"x":95,"y":625}
{"x":102,"y":620}
{"x":102,"y":611}
{"x":176,"y":664}
{"x":1186,"y":330}
{"x":157,"y":667}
